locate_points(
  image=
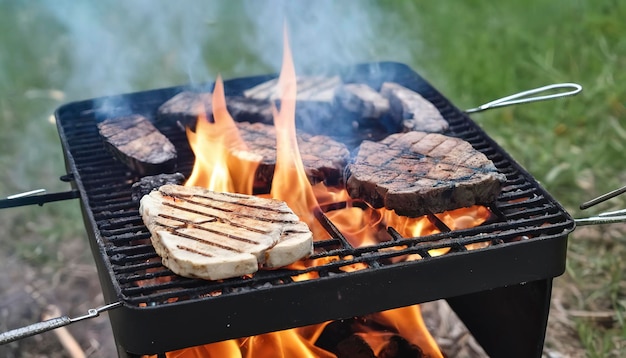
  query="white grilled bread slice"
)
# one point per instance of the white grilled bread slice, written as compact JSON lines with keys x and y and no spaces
{"x":204,"y":234}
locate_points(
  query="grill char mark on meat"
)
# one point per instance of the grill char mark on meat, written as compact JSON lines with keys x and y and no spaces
{"x":415,"y":173}
{"x":235,"y":233}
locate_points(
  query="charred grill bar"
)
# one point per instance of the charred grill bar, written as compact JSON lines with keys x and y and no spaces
{"x":502,"y":292}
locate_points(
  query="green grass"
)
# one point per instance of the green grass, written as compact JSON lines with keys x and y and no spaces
{"x":472,"y":51}
{"x":575,"y":146}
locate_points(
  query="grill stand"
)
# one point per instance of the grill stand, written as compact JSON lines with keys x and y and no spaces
{"x":507,"y":321}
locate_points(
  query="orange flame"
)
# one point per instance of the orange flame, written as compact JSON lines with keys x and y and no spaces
{"x":359,"y":226}
{"x":297,"y":342}
{"x":223,"y":162}
{"x":290,"y":183}
{"x":462,"y":218}
{"x":406,"y":322}
{"x":228,"y":348}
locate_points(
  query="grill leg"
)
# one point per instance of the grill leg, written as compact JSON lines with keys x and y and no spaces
{"x":508,"y":321}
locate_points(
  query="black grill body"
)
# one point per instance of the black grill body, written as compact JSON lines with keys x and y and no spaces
{"x":502,"y":292}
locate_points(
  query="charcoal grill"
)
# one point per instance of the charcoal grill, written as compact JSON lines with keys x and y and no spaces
{"x":501,"y":292}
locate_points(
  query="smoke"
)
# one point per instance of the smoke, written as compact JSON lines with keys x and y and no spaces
{"x":123,"y":46}
{"x":325,"y":34}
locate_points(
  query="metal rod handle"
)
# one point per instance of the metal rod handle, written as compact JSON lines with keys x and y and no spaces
{"x":599,"y":220}
{"x":524,"y":97}
{"x":34,"y":329}
{"x":603,"y":198}
{"x":48,"y":325}
{"x":40,"y":199}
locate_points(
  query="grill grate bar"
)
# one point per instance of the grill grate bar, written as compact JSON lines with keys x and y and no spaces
{"x":156,"y":293}
{"x":331,"y":228}
{"x":420,"y":246}
{"x":126,"y":237}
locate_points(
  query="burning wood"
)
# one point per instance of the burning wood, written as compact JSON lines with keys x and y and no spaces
{"x":398,"y":346}
{"x":413,"y":111}
{"x":416,"y":172}
{"x":138,"y":144}
{"x":200,"y":233}
{"x":355,"y":347}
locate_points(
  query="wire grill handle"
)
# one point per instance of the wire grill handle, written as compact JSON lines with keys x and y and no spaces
{"x":525,"y":96}
{"x":34,"y":329}
{"x":53,"y":323}
{"x":34,"y":197}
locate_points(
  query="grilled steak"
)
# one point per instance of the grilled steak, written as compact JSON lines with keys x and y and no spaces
{"x":316,"y":108}
{"x":209,"y":235}
{"x":324,"y":159}
{"x":185,"y":108}
{"x":362,"y":100}
{"x":313,"y":88}
{"x":138,"y":144}
{"x":245,"y":109}
{"x":415,"y":173}
{"x":412,"y":111}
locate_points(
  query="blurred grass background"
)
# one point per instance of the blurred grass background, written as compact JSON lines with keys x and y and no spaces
{"x":472,"y":51}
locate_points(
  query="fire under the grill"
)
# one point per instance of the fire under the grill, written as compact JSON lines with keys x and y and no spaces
{"x":501,"y":289}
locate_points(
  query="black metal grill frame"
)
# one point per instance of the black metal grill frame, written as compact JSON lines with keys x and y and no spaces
{"x":528,"y":239}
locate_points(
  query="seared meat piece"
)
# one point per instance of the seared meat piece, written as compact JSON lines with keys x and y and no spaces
{"x":324,"y":159}
{"x":366,"y":110}
{"x":313,"y":88}
{"x":244,"y":109}
{"x":209,"y":235}
{"x":413,"y":111}
{"x":415,"y":173}
{"x":316,"y":110}
{"x":185,"y":108}
{"x":363,"y":101}
{"x":138,"y":144}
